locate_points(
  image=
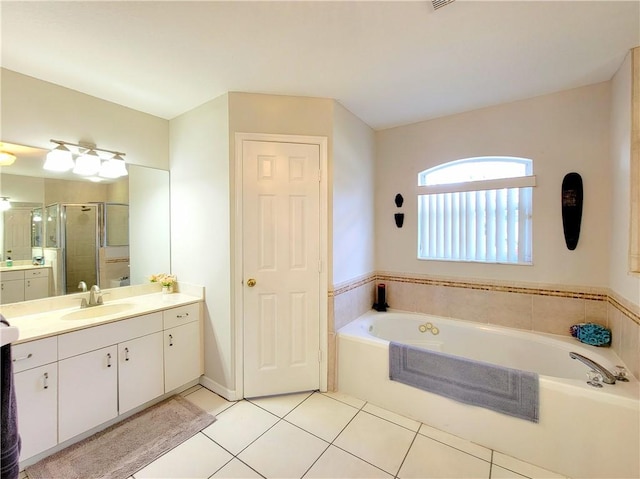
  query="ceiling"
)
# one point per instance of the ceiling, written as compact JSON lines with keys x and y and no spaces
{"x":390,"y":63}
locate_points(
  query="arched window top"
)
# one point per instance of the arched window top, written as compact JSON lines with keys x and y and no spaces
{"x":476,"y":169}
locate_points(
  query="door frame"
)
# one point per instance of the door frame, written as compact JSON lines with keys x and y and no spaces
{"x":237,"y":246}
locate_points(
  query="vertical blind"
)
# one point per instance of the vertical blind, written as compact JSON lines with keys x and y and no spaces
{"x":491,"y":226}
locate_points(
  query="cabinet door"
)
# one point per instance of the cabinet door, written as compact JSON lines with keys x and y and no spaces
{"x":36,"y":288}
{"x":88,"y":391}
{"x":12,"y":291}
{"x":140,"y":371}
{"x":37,"y":401}
{"x":181,"y":355}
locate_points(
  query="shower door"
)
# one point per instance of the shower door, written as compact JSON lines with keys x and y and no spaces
{"x":80,"y":245}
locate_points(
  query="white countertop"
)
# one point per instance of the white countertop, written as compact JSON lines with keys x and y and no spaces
{"x":52,"y":323}
{"x":23,"y":267}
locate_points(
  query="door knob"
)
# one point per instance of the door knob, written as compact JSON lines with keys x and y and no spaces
{"x":251,"y":282}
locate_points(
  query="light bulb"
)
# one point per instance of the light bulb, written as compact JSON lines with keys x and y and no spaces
{"x":59,"y":159}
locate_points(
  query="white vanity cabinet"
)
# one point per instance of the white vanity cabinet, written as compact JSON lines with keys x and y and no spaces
{"x":36,"y":385}
{"x":88,"y":391}
{"x":36,"y":283}
{"x":140,"y":371}
{"x":90,"y":359}
{"x":73,"y":382}
{"x":11,"y":287}
{"x":24,"y":284}
{"x":182,"y":348}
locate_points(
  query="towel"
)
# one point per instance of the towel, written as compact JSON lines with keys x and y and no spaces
{"x":505,"y":390}
{"x":9,"y":437}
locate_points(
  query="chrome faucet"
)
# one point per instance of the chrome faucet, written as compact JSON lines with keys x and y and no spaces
{"x":95,"y":296}
{"x":607,"y":377}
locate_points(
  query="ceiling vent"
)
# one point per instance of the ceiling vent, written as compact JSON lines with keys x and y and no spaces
{"x":440,"y":3}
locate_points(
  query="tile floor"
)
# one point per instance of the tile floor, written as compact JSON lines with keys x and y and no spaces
{"x":316,"y":435}
{"x":324,"y":435}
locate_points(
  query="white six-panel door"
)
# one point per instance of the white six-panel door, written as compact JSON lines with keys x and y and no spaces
{"x":281,"y":255}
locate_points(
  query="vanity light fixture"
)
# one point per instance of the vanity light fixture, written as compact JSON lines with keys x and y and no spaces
{"x":89,"y":160}
{"x":114,"y":167}
{"x":59,"y":159}
{"x":5,"y":204}
{"x":6,"y":158}
{"x":87,"y":164}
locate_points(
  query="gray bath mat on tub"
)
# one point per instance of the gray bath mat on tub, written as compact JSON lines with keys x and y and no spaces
{"x":505,"y":390}
{"x":124,"y":448}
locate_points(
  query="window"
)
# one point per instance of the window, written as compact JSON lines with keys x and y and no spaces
{"x":477,"y":209}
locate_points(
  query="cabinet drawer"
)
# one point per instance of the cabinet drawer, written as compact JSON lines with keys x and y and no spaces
{"x":36,"y":273}
{"x":182,"y":315}
{"x":34,"y":353}
{"x":11,"y":275}
{"x":78,"y":342}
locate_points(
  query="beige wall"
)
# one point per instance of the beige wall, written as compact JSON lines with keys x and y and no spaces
{"x":562,"y":132}
{"x":352,"y":182}
{"x":200,"y":224}
{"x":34,"y":111}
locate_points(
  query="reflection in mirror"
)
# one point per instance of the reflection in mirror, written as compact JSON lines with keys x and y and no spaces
{"x":80,"y":230}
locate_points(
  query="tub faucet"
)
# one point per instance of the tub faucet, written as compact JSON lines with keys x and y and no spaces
{"x":95,"y":296}
{"x":607,"y":377}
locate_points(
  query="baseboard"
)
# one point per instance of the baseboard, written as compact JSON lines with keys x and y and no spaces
{"x":228,"y":394}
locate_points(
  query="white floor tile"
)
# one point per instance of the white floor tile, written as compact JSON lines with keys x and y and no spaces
{"x":350,"y":400}
{"x":285,"y":451}
{"x":338,"y":464}
{"x":498,"y":472}
{"x":376,"y":440}
{"x":524,"y":468}
{"x":431,"y":459}
{"x":457,"y":442}
{"x":322,"y":416}
{"x":197,"y":457}
{"x":209,"y":401}
{"x":281,"y":405}
{"x":236,"y":469}
{"x":240,"y":425}
{"x":392,"y":416}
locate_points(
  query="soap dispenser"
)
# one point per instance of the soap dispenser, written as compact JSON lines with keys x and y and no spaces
{"x":9,"y":260}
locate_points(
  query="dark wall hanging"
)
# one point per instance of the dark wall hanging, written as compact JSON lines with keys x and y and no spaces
{"x":572,"y":195}
{"x":399,"y":217}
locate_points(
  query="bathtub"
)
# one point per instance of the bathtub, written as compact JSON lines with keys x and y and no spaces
{"x":582,"y":432}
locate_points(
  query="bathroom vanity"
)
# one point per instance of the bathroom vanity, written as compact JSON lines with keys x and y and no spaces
{"x":78,"y":370}
{"x":23,"y":283}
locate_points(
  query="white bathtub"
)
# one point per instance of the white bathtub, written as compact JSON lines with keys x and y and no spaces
{"x":583,"y":431}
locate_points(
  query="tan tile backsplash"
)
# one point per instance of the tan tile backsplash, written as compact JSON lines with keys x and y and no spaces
{"x":543,"y":308}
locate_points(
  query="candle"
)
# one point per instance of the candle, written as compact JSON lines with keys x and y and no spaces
{"x":382,"y":300}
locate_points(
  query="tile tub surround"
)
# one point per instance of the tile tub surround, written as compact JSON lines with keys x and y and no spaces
{"x":545,"y":308}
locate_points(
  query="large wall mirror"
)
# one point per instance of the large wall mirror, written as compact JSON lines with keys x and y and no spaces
{"x":111,"y":233}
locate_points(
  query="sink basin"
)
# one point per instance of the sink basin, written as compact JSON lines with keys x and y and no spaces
{"x":97,"y":311}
